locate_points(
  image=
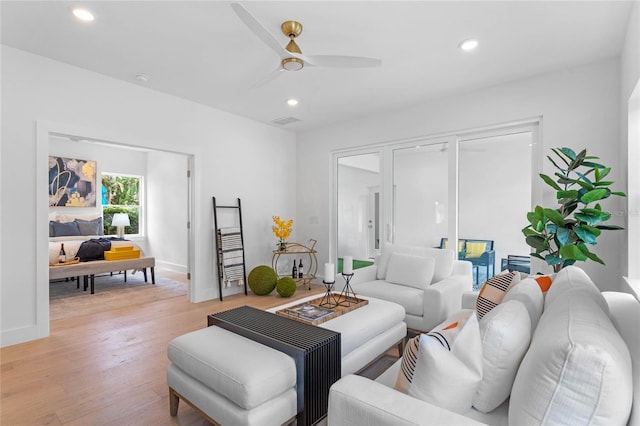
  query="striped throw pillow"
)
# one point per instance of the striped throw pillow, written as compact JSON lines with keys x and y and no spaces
{"x":493,"y":291}
{"x":445,"y":334}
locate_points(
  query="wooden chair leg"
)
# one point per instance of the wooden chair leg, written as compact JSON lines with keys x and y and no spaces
{"x":174,"y":401}
{"x":153,"y":275}
{"x":144,"y":272}
{"x":125,"y":275}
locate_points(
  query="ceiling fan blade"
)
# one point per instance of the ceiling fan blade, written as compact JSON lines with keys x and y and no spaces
{"x":269,"y":77}
{"x":259,"y":30}
{"x":337,"y":61}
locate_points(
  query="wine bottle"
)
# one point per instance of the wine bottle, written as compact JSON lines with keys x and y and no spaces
{"x":294,"y":271}
{"x":62,"y":256}
{"x":300,"y":269}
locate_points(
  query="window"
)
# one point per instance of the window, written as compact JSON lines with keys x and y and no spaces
{"x":122,"y":194}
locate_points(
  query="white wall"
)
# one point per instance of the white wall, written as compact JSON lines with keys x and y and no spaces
{"x":166,"y":209}
{"x":233,"y":157}
{"x":580,"y":108}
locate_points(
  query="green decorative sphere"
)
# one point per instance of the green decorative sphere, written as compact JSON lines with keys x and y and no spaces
{"x":286,"y":286}
{"x":262,"y":280}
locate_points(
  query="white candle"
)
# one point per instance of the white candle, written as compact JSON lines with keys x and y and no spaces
{"x":329,"y":272}
{"x":347,"y":266}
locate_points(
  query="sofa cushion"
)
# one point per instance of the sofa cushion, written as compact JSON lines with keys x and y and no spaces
{"x":573,"y":277}
{"x":409,"y":270}
{"x":505,"y":333}
{"x":409,"y":297}
{"x":577,"y":369}
{"x":443,"y":259}
{"x":448,"y":367}
{"x":529,"y":293}
{"x":493,"y":291}
{"x":475,"y":249}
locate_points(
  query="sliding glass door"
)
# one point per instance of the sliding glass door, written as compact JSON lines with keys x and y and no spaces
{"x":420,"y":193}
{"x":469,"y":185}
{"x":359,"y":214}
{"x":494,"y":195}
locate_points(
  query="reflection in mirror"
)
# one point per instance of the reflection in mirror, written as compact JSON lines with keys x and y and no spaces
{"x":420,"y":194}
{"x":494,"y":195}
{"x":358,"y":208}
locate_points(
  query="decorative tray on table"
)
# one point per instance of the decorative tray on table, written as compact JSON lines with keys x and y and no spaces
{"x":313,"y":313}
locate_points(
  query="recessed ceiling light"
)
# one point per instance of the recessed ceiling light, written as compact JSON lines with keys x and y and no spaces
{"x":468,"y":44}
{"x":83,"y":14}
{"x":292,"y":102}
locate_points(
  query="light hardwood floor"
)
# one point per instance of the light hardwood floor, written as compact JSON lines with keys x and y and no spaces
{"x":109,"y":367}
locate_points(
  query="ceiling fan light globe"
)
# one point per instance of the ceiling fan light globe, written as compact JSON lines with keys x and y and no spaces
{"x":292,"y":64}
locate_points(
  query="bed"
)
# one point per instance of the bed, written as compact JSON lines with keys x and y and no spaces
{"x":73,"y":231}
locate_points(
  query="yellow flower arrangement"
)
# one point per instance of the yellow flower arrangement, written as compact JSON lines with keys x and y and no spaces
{"x":282,"y":228}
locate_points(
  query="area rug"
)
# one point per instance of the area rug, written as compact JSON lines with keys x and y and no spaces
{"x":111,"y":292}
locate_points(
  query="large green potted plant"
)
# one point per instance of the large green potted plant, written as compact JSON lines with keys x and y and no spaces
{"x":561,"y":236}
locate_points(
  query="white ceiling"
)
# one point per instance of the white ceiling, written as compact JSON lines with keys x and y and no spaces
{"x":201,"y":50}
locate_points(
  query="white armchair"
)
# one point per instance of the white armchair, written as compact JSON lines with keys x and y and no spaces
{"x":427,"y":282}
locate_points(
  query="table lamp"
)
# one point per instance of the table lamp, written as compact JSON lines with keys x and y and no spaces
{"x":120,"y":220}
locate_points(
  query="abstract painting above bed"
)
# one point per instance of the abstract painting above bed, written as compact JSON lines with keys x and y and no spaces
{"x":72,"y":182}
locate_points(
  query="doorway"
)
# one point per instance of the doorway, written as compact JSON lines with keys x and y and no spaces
{"x":168,"y":196}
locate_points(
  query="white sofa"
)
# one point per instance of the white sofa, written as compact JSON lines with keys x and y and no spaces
{"x":582,"y":367}
{"x":427,"y":282}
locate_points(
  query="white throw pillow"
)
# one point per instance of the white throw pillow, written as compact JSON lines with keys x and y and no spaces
{"x":529,"y":293}
{"x":412,"y":271}
{"x":505,"y":333}
{"x":577,"y":370}
{"x":444,"y":259}
{"x":572,"y":277}
{"x":449,"y":364}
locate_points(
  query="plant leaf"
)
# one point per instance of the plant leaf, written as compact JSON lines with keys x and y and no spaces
{"x":585,"y":235}
{"x":619,"y":193}
{"x":554,"y":216}
{"x":550,"y":182}
{"x":603,"y":182}
{"x":561,"y":156}
{"x":594,"y":231}
{"x":572,"y":252}
{"x":584,"y":178}
{"x":603,"y":172}
{"x":572,"y":193}
{"x":595,"y":195}
{"x":592,"y":164}
{"x":610,"y":227}
{"x":563,"y":235}
{"x":552,"y":259}
{"x":537,"y":242}
{"x":569,"y":153}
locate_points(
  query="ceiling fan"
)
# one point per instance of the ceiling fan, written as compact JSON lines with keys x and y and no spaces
{"x":291,"y":57}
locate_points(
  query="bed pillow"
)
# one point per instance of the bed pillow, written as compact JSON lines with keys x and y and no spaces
{"x":448,"y":364}
{"x":411,"y":271}
{"x":90,"y":227}
{"x":67,"y":229}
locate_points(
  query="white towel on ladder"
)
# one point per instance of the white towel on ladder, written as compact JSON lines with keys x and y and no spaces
{"x":230,"y":243}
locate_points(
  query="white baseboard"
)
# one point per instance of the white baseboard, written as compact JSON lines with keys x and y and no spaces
{"x":171,"y":266}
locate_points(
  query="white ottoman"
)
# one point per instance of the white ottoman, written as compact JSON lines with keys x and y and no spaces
{"x":230,"y":379}
{"x":366,"y":333}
